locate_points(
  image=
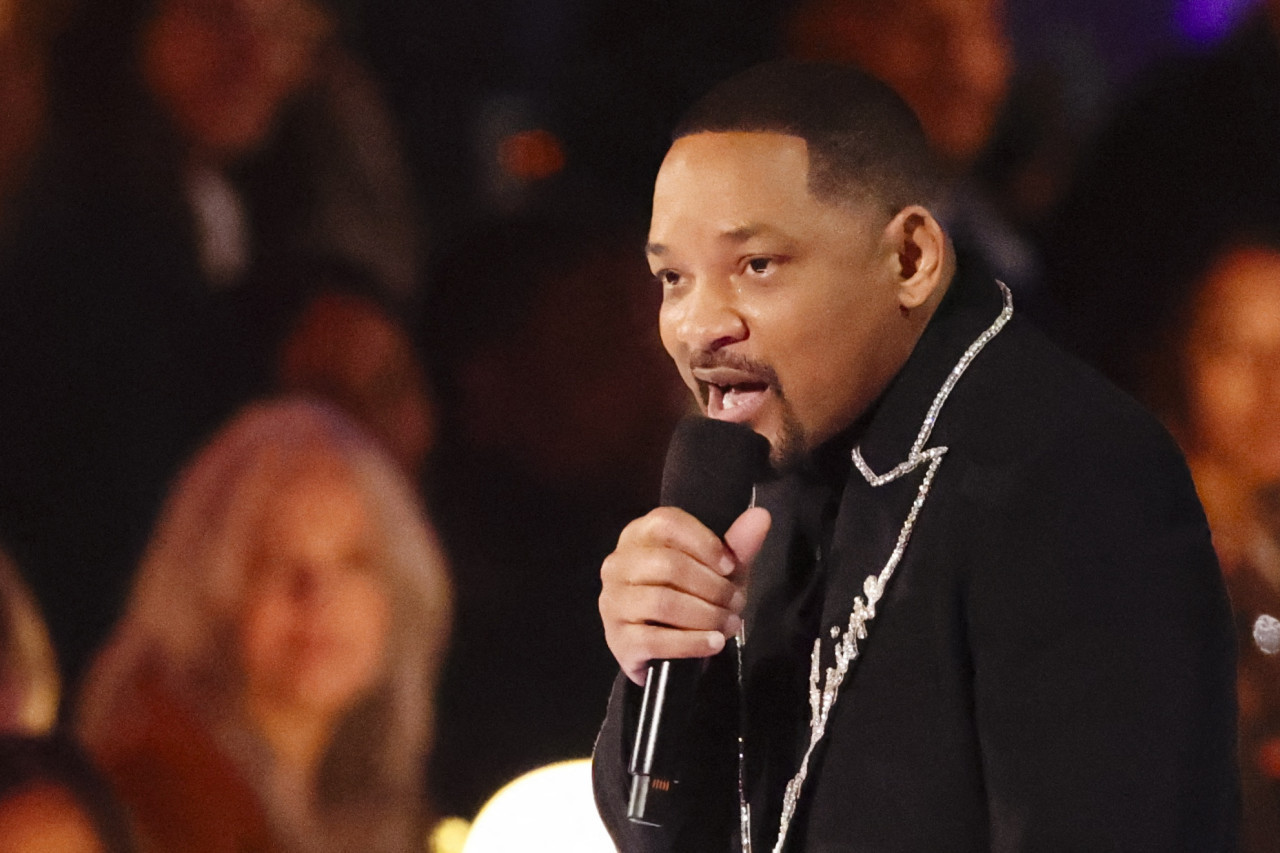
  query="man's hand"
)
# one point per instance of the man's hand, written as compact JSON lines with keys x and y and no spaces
{"x":672,"y":589}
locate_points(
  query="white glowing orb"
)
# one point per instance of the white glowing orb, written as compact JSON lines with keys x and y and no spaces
{"x":548,"y":810}
{"x":1266,"y":634}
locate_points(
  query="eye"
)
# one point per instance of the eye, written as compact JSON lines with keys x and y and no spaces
{"x":667,"y":278}
{"x":759,"y":266}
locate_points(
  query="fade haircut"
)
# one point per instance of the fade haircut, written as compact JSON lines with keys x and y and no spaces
{"x":865,"y":144}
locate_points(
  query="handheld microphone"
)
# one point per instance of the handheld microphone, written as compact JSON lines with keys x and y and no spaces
{"x":711,"y":468}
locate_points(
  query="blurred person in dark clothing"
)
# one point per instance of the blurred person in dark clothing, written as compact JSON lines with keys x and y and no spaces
{"x":1211,"y":370}
{"x":555,"y":412}
{"x":119,"y":285}
{"x":952,"y":62}
{"x":321,"y":325}
{"x":26,"y":28}
{"x":1192,"y":153}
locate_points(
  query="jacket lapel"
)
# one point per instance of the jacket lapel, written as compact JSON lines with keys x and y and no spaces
{"x":894,"y":467}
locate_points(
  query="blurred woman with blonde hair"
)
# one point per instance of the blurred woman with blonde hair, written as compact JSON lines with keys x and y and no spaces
{"x":270,"y":685}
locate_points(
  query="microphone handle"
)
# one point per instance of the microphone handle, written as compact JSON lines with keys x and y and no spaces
{"x":665,"y":711}
{"x":710,"y":472}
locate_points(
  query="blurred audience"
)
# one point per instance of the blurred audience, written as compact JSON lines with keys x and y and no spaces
{"x":1193,"y":151}
{"x":348,"y":348}
{"x":53,"y":801}
{"x":271,"y":684}
{"x":617,"y":90}
{"x":333,"y":180}
{"x":951,"y":60}
{"x":190,"y":141}
{"x":557,"y":403}
{"x":1212,"y":370}
{"x":26,"y":27}
{"x":321,"y":325}
{"x":29,"y":683}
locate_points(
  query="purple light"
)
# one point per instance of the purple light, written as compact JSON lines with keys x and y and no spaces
{"x":1206,"y":21}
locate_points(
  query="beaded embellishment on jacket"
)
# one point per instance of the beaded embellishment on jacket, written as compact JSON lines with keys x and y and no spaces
{"x":824,"y":688}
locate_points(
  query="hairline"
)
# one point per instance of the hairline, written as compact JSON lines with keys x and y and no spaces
{"x":866,"y":198}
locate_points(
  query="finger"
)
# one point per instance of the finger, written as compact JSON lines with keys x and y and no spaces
{"x":657,"y":605}
{"x":747,"y":534}
{"x":672,"y":527}
{"x":635,"y":646}
{"x":624,"y":606}
{"x":637,"y":567}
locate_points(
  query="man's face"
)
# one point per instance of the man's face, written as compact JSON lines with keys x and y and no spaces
{"x":780,"y":310}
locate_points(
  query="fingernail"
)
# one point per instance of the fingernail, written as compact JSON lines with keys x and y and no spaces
{"x":731,"y":626}
{"x":715,"y":641}
{"x":727,"y":565}
{"x":738,"y":601}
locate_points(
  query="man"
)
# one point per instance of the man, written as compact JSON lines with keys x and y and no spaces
{"x":979,"y":604}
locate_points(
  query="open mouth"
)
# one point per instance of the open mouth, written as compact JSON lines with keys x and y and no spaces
{"x":735,"y":401}
{"x":734,"y":388}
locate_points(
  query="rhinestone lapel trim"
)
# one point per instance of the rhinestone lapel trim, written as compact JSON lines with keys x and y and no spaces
{"x":823,"y":699}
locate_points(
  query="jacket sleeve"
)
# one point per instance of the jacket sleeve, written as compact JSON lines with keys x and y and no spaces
{"x":1104,"y":659}
{"x":706,"y":803}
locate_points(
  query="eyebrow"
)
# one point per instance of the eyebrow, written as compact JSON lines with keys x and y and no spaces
{"x":740,"y":234}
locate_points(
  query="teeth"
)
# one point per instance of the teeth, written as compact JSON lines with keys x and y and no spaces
{"x":730,"y":398}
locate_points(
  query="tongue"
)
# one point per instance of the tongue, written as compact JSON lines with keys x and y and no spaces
{"x":735,"y":395}
{"x":741,"y":399}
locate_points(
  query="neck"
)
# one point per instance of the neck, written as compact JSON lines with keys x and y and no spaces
{"x":297,"y":740}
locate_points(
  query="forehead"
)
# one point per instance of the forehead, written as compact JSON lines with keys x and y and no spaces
{"x":738,"y":183}
{"x":734,"y":162}
{"x":1241,"y":295}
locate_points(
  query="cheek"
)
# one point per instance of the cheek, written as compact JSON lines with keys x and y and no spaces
{"x":263,"y":631}
{"x":1222,"y":404}
{"x":677,"y":352}
{"x":827,"y":367}
{"x":668,"y":318}
{"x":366,"y":615}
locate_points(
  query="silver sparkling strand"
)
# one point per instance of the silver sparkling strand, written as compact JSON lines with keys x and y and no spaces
{"x":744,"y":807}
{"x":821,"y":702}
{"x":974,"y":348}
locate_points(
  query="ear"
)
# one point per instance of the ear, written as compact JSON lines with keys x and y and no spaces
{"x":920,"y":246}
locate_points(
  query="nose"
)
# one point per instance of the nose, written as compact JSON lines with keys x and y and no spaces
{"x":308,"y":584}
{"x":707,"y":317}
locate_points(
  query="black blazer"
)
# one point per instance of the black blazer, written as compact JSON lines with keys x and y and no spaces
{"x":1051,"y":664}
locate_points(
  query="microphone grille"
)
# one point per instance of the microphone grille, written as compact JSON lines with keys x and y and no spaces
{"x":711,"y":468}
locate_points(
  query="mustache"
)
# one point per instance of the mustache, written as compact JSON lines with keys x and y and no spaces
{"x":710,"y":359}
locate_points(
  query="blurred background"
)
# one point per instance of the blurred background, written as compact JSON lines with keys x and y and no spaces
{"x":429,"y":217}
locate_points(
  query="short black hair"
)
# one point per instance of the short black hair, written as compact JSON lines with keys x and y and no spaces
{"x":865,"y":144}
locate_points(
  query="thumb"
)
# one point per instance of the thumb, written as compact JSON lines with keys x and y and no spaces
{"x":747,"y":534}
